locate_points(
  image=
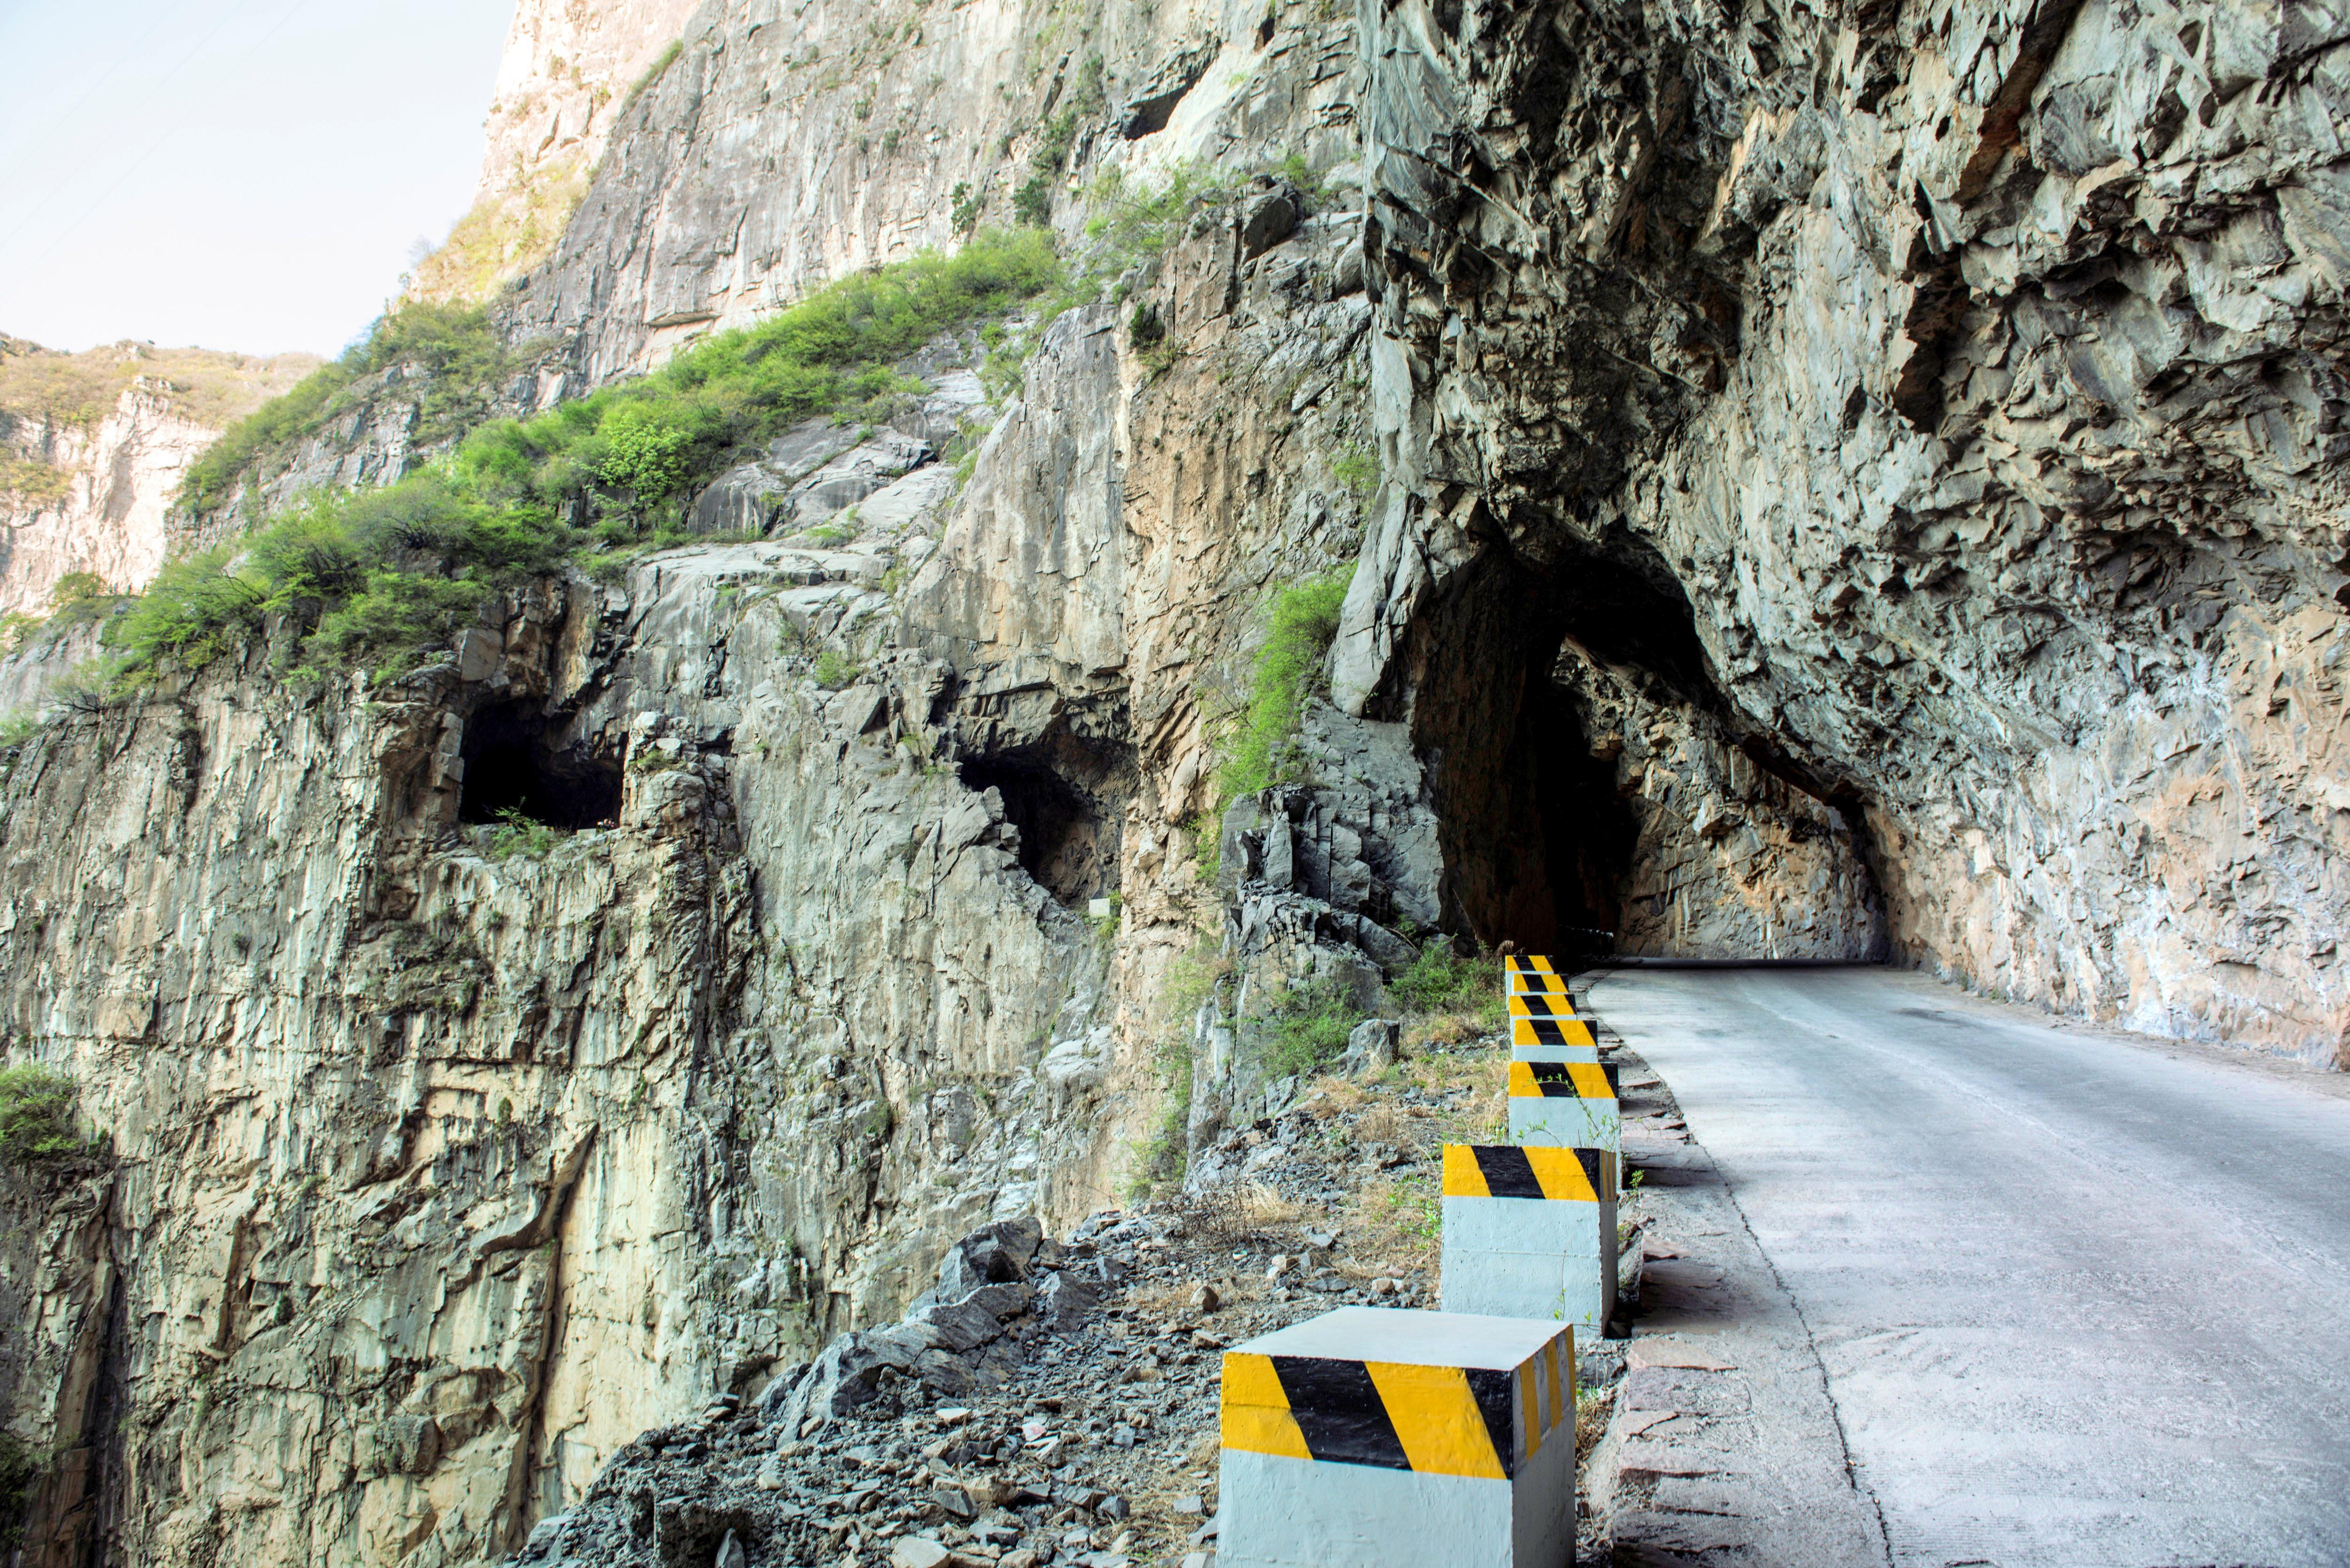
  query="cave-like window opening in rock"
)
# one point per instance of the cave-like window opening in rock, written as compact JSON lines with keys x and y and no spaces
{"x":516,"y":760}
{"x":1069,"y":843}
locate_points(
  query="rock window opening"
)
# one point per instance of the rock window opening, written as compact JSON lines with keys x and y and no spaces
{"x":1069,"y":833}
{"x":516,"y":760}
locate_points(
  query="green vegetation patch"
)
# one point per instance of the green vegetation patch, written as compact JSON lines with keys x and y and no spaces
{"x":384,"y":577}
{"x":37,"y":1117}
{"x":1287,"y":674}
{"x":631,"y":447}
{"x":461,"y":353}
{"x":1442,"y":980}
{"x":1308,"y":1031}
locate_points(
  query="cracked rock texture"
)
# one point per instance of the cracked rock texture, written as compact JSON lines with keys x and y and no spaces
{"x":1963,"y":378}
{"x":93,"y":444}
{"x":1820,"y":482}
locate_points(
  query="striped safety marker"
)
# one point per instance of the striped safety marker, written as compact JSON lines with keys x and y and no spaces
{"x":1423,"y":1413}
{"x":1508,"y":1171}
{"x":1526,"y":963}
{"x":1378,"y":1438}
{"x":1527,"y":983}
{"x":1562,"y":1081}
{"x":1548,"y":1030}
{"x":1530,"y":1232}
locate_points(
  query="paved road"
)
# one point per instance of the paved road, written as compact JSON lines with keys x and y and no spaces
{"x":2083,"y":1299}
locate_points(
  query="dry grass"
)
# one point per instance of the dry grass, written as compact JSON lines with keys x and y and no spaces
{"x":1591,"y":1411}
{"x":1398,"y":1221}
{"x":1383,"y":1124}
{"x":1227,"y":1216}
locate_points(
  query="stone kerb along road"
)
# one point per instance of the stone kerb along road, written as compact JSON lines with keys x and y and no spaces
{"x":1465,"y":1401}
{"x":1370,"y":1435}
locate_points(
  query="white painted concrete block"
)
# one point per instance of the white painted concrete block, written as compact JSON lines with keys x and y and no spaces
{"x":1564,"y":1104}
{"x":1530,"y":1232}
{"x":1374,"y":1439}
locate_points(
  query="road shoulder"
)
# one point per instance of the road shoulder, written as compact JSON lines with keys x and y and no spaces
{"x":1722,"y":1444}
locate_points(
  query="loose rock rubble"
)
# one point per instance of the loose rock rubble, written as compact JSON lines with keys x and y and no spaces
{"x":1053,"y":1401}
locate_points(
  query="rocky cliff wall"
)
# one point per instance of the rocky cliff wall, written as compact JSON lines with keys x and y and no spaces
{"x":1956,"y":382}
{"x":433,"y":1134}
{"x":1692,"y":600}
{"x":565,"y":79}
{"x":92,"y":446}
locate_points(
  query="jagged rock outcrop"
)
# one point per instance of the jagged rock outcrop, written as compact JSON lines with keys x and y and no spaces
{"x":1842,"y":481}
{"x":563,"y":81}
{"x":92,"y":446}
{"x":1953,"y":388}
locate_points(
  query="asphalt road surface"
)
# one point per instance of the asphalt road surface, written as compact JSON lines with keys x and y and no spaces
{"x":2083,"y":1299}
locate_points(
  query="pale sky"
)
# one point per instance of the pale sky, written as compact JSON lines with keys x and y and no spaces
{"x":245,"y":174}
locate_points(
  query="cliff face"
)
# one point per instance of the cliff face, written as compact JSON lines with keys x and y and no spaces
{"x":92,"y":446}
{"x":1955,"y":385}
{"x":563,"y":81}
{"x":1850,"y":483}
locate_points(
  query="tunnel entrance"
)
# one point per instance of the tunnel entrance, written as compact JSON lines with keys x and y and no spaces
{"x":1067,"y":798}
{"x":517,"y":759}
{"x":1538,"y":843}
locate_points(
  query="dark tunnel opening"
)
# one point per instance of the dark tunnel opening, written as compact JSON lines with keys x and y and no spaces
{"x":516,"y":761}
{"x":1538,"y":842}
{"x":1064,"y":799}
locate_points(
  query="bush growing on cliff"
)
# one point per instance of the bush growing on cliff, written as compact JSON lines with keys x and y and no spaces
{"x":20,"y":1471}
{"x":834,"y":352}
{"x":462,"y":352}
{"x":384,"y":577}
{"x":1287,"y":671}
{"x":37,"y":1115}
{"x":1307,"y":1031}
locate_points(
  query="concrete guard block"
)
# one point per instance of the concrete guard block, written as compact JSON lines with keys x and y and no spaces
{"x":1530,"y":1232}
{"x":1564,"y":1104}
{"x":1374,"y":1438}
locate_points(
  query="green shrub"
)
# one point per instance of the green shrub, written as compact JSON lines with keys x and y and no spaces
{"x":79,"y":588}
{"x":1033,"y":204}
{"x":1357,"y":468}
{"x":1286,"y":672}
{"x":20,"y":1471}
{"x":1308,"y":1031}
{"x":37,"y":1115}
{"x":519,"y":835}
{"x":461,"y":351}
{"x":1442,"y":979}
{"x":832,"y":671}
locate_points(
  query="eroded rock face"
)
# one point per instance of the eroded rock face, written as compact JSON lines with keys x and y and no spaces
{"x":1745,"y":566}
{"x":1960,"y":378}
{"x":117,"y":475}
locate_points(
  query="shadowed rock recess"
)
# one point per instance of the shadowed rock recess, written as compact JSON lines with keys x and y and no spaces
{"x":1861,"y":480}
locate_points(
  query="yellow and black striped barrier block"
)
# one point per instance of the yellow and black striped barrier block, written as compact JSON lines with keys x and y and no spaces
{"x":1526,"y":963}
{"x":1551,"y":1031}
{"x":1508,"y":1171}
{"x":1371,"y":1437}
{"x":1564,"y":1104}
{"x":1526,"y":984}
{"x":1563,"y":1080}
{"x":1530,"y":1232}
